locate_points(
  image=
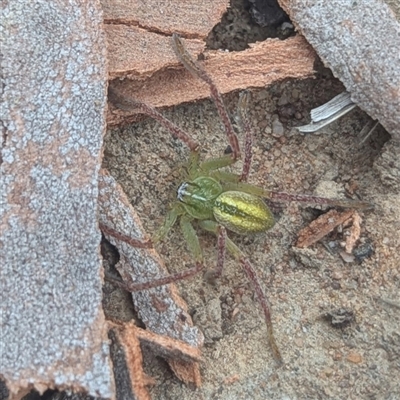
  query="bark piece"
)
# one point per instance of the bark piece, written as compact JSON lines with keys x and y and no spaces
{"x":53,"y":331}
{"x":167,"y":347}
{"x":260,"y":65}
{"x":355,"y":231}
{"x":182,"y":358}
{"x":127,"y":357}
{"x":130,"y":378}
{"x":359,"y":42}
{"x":186,"y":372}
{"x":161,"y":309}
{"x":320,"y":227}
{"x":135,"y":53}
{"x":190,"y":18}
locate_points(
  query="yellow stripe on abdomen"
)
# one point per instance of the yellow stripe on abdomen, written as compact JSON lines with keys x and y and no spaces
{"x":242,"y":213}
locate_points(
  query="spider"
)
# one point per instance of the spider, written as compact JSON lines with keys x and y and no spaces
{"x":214,"y":198}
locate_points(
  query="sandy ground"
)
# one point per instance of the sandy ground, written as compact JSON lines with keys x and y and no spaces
{"x":361,"y":360}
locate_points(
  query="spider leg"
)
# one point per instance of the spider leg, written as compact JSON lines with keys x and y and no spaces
{"x":231,"y":182}
{"x":347,"y":203}
{"x":129,"y":104}
{"x":197,"y":70}
{"x":191,"y":238}
{"x":138,"y":243}
{"x":252,"y":276}
{"x":165,"y":280}
{"x":221,"y":243}
{"x":168,"y":223}
{"x":213,"y":164}
{"x":216,"y":273}
{"x":193,"y":244}
{"x":244,"y":121}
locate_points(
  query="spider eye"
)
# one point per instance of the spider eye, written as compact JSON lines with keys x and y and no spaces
{"x":183,"y":190}
{"x":180,"y":193}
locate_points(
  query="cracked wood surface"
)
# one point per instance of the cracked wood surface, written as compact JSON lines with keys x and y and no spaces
{"x":190,"y":18}
{"x":53,"y":331}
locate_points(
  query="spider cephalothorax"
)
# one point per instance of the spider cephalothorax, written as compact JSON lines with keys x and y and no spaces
{"x":216,"y":199}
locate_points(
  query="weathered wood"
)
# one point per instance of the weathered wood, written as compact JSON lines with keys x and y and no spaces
{"x":190,"y":18}
{"x":360,"y":42}
{"x":130,"y":379}
{"x":260,"y":65}
{"x":53,"y":332}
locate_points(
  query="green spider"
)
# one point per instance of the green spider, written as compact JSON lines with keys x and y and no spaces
{"x":216,"y":199}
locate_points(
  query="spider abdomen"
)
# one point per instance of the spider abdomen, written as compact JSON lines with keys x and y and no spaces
{"x":242,"y":212}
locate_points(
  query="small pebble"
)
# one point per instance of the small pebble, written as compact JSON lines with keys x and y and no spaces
{"x":283,"y":100}
{"x":336,"y":286}
{"x":295,"y":93}
{"x":277,"y":127}
{"x":231,"y":379}
{"x":348,"y":258}
{"x":277,"y":153}
{"x":298,"y":115}
{"x":328,"y":372}
{"x":267,"y":130}
{"x":354,"y":358}
{"x":299,"y":342}
{"x":337,"y":356}
{"x":337,"y":275}
{"x":235,"y":312}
